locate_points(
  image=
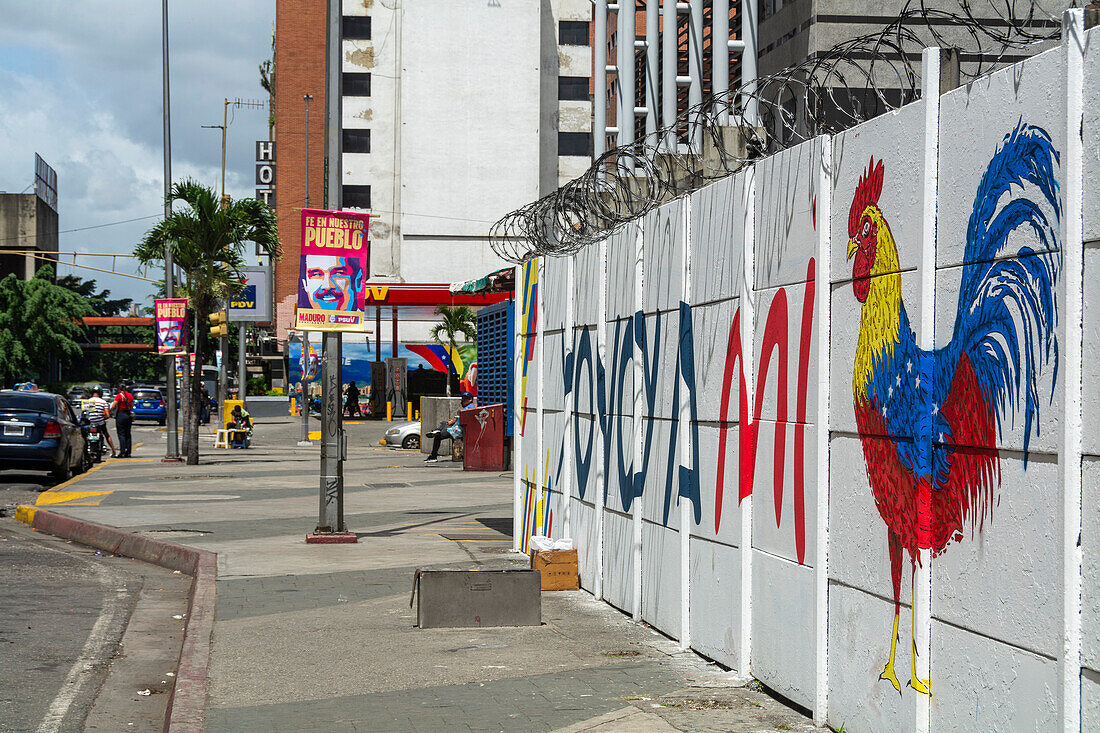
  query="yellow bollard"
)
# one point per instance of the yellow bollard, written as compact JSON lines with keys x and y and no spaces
{"x":389,"y":411}
{"x":293,"y":406}
{"x":409,"y":412}
{"x":417,"y":415}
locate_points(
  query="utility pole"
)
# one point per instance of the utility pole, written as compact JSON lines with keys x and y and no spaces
{"x":223,"y":341}
{"x":330,"y":519}
{"x":303,"y":406}
{"x":173,"y":451}
{"x":242,"y":383}
{"x":308,"y":98}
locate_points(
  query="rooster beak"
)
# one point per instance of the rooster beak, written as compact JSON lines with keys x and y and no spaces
{"x":852,"y":247}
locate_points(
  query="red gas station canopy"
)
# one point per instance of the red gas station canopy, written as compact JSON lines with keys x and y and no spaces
{"x":419,"y":300}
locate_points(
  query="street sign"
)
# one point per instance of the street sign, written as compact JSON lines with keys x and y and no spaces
{"x":253,"y":303}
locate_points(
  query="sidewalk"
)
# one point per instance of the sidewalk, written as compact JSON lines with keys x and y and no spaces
{"x":321,"y":637}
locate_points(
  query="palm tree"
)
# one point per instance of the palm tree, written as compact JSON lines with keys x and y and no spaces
{"x":457,"y":319}
{"x":207,"y":241}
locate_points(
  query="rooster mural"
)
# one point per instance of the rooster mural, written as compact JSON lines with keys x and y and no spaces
{"x":929,"y":421}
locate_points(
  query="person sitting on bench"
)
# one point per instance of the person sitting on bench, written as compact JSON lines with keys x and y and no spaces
{"x":447,"y":430}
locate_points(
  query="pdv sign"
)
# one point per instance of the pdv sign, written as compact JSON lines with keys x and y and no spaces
{"x":253,"y":302}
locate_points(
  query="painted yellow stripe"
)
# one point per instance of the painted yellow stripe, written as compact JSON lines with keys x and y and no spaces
{"x":25,"y":514}
{"x":60,"y":497}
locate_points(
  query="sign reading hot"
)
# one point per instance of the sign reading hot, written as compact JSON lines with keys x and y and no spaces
{"x":265,"y":171}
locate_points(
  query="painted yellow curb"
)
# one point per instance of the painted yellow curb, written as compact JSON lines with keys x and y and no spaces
{"x":25,"y":514}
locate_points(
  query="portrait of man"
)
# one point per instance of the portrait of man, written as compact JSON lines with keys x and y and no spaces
{"x":331,"y":283}
{"x":169,"y":334}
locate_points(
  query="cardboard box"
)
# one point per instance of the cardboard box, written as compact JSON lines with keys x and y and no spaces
{"x":558,"y":569}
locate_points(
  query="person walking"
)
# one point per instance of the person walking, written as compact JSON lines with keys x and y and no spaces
{"x":351,"y":400}
{"x":122,"y":406}
{"x":447,"y":430}
{"x":204,"y":416}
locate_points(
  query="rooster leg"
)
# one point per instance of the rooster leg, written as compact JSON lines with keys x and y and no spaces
{"x":915,"y":682}
{"x":895,"y":575}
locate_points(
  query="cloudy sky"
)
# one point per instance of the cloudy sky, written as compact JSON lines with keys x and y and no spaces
{"x":80,"y":84}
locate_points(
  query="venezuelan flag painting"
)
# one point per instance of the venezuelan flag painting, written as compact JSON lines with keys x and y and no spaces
{"x":529,"y":322}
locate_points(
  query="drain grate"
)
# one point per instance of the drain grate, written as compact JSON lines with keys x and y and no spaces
{"x":386,"y":485}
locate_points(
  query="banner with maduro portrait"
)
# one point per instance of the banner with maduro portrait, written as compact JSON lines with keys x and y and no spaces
{"x":334,"y":269}
{"x":171,"y":325}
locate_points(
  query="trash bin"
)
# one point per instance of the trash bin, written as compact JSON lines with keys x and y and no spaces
{"x":483,"y":434}
{"x":227,"y":412}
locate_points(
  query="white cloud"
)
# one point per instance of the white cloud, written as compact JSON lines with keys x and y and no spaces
{"x":80,"y":83}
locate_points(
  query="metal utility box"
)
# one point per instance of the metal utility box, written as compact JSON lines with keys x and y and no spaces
{"x":495,"y":353}
{"x":483,"y":433}
{"x":463,"y":598}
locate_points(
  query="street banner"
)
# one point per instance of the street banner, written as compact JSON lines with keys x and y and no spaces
{"x":171,"y":316}
{"x":253,"y":302}
{"x":335,"y":265}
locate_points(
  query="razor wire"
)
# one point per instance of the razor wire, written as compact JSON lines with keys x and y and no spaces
{"x":852,"y":82}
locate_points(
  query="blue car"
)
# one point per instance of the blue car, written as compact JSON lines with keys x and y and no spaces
{"x":149,"y":405}
{"x":40,"y":432}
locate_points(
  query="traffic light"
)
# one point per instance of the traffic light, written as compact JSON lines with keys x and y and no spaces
{"x":218,"y":325}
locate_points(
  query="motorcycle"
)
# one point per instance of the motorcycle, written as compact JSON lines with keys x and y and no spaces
{"x":93,"y":442}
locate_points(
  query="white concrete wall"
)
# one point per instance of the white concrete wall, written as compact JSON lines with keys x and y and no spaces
{"x":700,"y":406}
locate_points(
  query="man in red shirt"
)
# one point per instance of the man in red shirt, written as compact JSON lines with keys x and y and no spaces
{"x":123,"y":406}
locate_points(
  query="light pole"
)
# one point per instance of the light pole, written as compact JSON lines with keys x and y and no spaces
{"x":223,"y":341}
{"x":173,"y":452}
{"x":308,"y":98}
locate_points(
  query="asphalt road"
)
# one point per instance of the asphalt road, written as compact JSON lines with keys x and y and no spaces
{"x":63,"y":611}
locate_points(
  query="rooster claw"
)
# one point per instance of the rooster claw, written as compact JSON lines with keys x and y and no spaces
{"x":920,"y":685}
{"x":889,"y":676}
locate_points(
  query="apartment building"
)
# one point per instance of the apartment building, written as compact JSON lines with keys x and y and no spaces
{"x":449,"y":115}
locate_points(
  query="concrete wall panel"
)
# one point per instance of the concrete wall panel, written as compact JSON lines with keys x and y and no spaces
{"x":618,"y":560}
{"x":784,"y":520}
{"x":1091,"y":133}
{"x":582,"y":517}
{"x":621,"y":276}
{"x":710,"y":334}
{"x":621,"y":350}
{"x":783,"y":655}
{"x":658,"y":349}
{"x":553,"y":380}
{"x":860,"y":625}
{"x":661,"y":578}
{"x":585,"y":447}
{"x":717,"y":233}
{"x":715,"y":583}
{"x":663,"y":258}
{"x":1090,"y":570}
{"x":555,"y":289}
{"x":586,"y":286}
{"x":660,"y":461}
{"x":585,"y":371}
{"x":619,"y":464}
{"x":786,"y":214}
{"x":981,"y":683}
{"x":728,"y":529}
{"x":1090,"y":388}
{"x":989,"y":109}
{"x":895,"y":141}
{"x":797,"y":332}
{"x":1003,"y":579}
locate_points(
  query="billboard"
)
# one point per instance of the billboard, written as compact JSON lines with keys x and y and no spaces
{"x":335,"y":265}
{"x":171,"y":317}
{"x":253,"y":303}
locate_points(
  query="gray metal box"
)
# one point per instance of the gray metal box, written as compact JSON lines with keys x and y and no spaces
{"x":458,"y":598}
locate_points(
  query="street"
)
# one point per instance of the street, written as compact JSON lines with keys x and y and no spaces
{"x":80,"y":634}
{"x":321,"y":637}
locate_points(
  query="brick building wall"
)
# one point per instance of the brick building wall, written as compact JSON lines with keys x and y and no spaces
{"x":299,"y":70}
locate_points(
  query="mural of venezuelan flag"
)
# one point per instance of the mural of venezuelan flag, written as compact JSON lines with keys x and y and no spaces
{"x":436,"y":356}
{"x":528,"y":320}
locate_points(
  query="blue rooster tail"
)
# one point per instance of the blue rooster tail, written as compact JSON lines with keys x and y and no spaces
{"x":1007,"y":308}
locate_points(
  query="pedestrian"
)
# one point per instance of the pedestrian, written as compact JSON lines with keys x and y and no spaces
{"x":122,"y":406}
{"x":241,"y":426}
{"x":447,"y":430}
{"x":351,"y":400}
{"x":204,"y":415}
{"x":98,"y":411}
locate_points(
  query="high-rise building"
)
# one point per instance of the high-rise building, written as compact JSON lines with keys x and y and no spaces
{"x":29,"y":226}
{"x":449,"y":116}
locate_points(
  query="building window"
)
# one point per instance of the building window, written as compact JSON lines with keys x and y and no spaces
{"x":575,"y":143}
{"x":356,"y":197}
{"x":573,"y":87}
{"x":356,"y":84}
{"x":356,"y":27}
{"x":356,"y":141}
{"x":572,"y":33}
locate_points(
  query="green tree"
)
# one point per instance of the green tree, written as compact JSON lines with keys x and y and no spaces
{"x":207,"y":242}
{"x":39,"y":321}
{"x":100,"y":301}
{"x":456,"y":319}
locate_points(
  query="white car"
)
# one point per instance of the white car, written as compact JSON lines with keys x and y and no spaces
{"x":403,"y":435}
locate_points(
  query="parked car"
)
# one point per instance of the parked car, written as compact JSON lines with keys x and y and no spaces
{"x":404,"y":435}
{"x":40,"y":432}
{"x":149,"y":404}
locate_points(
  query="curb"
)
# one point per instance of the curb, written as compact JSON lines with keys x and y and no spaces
{"x":187,"y":702}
